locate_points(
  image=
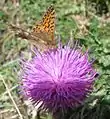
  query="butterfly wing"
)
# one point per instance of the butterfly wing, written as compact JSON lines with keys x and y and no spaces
{"x":47,"y":25}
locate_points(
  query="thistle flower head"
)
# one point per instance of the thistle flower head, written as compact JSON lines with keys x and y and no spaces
{"x":60,"y":78}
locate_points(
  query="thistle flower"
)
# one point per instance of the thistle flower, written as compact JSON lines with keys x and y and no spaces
{"x":60,"y":78}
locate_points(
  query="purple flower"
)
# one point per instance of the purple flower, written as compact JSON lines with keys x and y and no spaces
{"x":60,"y":78}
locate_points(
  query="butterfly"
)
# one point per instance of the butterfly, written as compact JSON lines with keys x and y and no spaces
{"x":42,"y":34}
{"x":44,"y":30}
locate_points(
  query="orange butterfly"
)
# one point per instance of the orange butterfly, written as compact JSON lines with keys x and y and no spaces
{"x":45,"y":30}
{"x":42,"y":35}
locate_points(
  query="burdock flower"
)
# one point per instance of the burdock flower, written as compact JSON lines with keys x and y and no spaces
{"x":60,"y":78}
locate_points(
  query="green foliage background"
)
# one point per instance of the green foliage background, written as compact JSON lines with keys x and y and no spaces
{"x":88,"y":20}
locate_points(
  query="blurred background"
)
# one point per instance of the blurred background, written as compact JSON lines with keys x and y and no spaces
{"x":87,"y":20}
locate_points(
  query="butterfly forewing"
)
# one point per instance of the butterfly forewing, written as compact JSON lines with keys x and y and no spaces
{"x":47,"y":25}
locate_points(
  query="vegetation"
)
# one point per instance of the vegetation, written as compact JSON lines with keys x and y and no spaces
{"x":88,"y":20}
